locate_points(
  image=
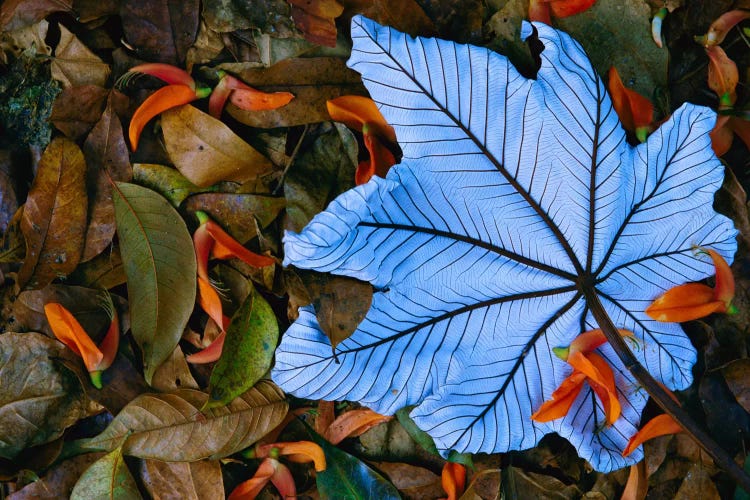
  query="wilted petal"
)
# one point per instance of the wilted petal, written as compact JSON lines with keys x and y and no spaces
{"x":565,"y":8}
{"x":303,"y":451}
{"x":600,"y":377}
{"x":722,"y":75}
{"x":719,"y":28}
{"x":724,"y":287}
{"x":230,"y":247}
{"x":250,"y":488}
{"x":586,"y":342}
{"x":167,"y":73}
{"x":209,"y":354}
{"x":353,"y":423}
{"x":539,"y":11}
{"x":163,"y":99}
{"x":685,"y":303}
{"x":453,"y":479}
{"x":634,"y":110}
{"x":210,"y":302}
{"x":562,"y":399}
{"x":69,"y":331}
{"x":355,"y":111}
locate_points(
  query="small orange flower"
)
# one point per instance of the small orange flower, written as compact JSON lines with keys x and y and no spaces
{"x":453,"y":479}
{"x":70,"y":332}
{"x":635,"y":111}
{"x":696,"y":300}
{"x":661,"y":425}
{"x":272,"y":470}
{"x":210,"y":239}
{"x":587,"y":367}
{"x":361,"y":114}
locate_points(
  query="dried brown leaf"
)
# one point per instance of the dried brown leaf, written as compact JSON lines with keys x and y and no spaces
{"x":312,"y":81}
{"x":8,"y":199}
{"x":103,"y":272}
{"x":57,"y":482}
{"x":161,"y":30}
{"x":39,"y":398}
{"x":174,"y":374}
{"x":16,"y":14}
{"x":412,"y":482}
{"x":54,"y":217}
{"x":737,"y":376}
{"x":697,"y":485}
{"x":206,"y":151}
{"x":183,"y":481}
{"x":77,"y":109}
{"x":106,"y":160}
{"x":404,"y":15}
{"x":75,"y":65}
{"x":237,"y":213}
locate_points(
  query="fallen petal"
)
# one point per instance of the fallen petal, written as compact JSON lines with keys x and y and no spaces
{"x":661,"y":425}
{"x":219,"y":97}
{"x":562,"y":399}
{"x":600,"y":377}
{"x":306,"y":451}
{"x":250,"y":489}
{"x":163,"y":99}
{"x":685,"y":303}
{"x":453,"y":479}
{"x":539,"y":11}
{"x":719,"y":28}
{"x":166,"y":73}
{"x":210,"y":302}
{"x":721,"y":135}
{"x":254,"y":100}
{"x":283,"y":481}
{"x":353,"y":423}
{"x":69,"y":331}
{"x":234,"y":248}
{"x":381,"y":157}
{"x":354,"y":111}
{"x":209,"y":354}
{"x":565,"y":8}
{"x":723,"y":75}
{"x":365,"y":171}
{"x":656,"y":24}
{"x":586,"y":342}
{"x":724,"y":288}
{"x":634,"y":110}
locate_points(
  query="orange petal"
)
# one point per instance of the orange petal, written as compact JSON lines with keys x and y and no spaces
{"x":354,"y":111}
{"x":210,"y":302}
{"x":253,"y":486}
{"x":110,"y":343}
{"x":353,"y":423}
{"x":661,"y":425}
{"x":218,"y":99}
{"x":600,"y":377}
{"x":161,"y":100}
{"x":453,"y":479}
{"x":724,"y":289}
{"x":210,"y":353}
{"x":70,"y":332}
{"x":381,"y":157}
{"x":603,"y":385}
{"x":562,"y":399}
{"x":740,"y":127}
{"x":166,"y":73}
{"x":633,"y":109}
{"x":233,"y":247}
{"x":539,"y":11}
{"x":565,"y":8}
{"x":254,"y":100}
{"x":721,"y":136}
{"x":684,"y":303}
{"x":299,"y":450}
{"x":365,"y":171}
{"x":719,"y":28}
{"x":586,"y":342}
{"x":722,"y":75}
{"x":283,"y":481}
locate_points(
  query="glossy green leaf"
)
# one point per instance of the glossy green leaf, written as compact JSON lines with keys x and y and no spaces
{"x":248,"y":350}
{"x":171,"y":427}
{"x":418,"y":435}
{"x":157,"y":252}
{"x":348,"y":478}
{"x":107,"y":479}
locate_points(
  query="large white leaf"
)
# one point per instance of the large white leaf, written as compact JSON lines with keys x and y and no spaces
{"x":514,"y":197}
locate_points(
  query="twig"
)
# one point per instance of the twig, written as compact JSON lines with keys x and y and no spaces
{"x":292,"y":157}
{"x":662,"y":398}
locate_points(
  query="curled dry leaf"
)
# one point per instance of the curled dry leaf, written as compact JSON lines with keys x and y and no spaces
{"x":54,"y":217}
{"x":206,"y":151}
{"x":171,"y":427}
{"x":75,"y":65}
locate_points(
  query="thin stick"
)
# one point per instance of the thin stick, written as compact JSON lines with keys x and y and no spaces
{"x":662,"y":398}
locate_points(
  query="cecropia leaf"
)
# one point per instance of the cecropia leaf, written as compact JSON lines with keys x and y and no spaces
{"x":514,"y":196}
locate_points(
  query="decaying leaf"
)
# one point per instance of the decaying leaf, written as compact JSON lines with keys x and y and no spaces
{"x":315,"y":19}
{"x":171,"y":427}
{"x":54,"y":216}
{"x":206,"y":151}
{"x":77,"y":109}
{"x":58,"y":480}
{"x":17,"y":14}
{"x":200,"y":480}
{"x":107,"y":161}
{"x":518,"y":208}
{"x":39,"y":398}
{"x":108,"y":477}
{"x":238,"y":212}
{"x":75,"y":65}
{"x":157,"y":253}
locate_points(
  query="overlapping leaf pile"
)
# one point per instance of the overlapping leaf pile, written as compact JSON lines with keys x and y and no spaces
{"x":172,"y":239}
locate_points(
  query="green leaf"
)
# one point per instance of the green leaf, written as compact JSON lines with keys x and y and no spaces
{"x":107,"y":478}
{"x":167,"y":181}
{"x":39,"y":398}
{"x":157,"y":252}
{"x":347,"y":477}
{"x":248,"y":350}
{"x":418,"y":435}
{"x":171,"y":427}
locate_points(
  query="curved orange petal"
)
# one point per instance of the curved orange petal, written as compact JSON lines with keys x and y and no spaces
{"x":721,"y":136}
{"x":218,"y":98}
{"x":724,"y":289}
{"x":250,"y":489}
{"x":661,"y":425}
{"x":210,"y":353}
{"x":110,"y":343}
{"x":453,"y":479}
{"x":365,"y":171}
{"x":603,"y":385}
{"x":353,"y":423}
{"x":684,"y":303}
{"x":586,"y":342}
{"x":539,"y":11}
{"x":158,"y":102}
{"x":354,"y":111}
{"x":381,"y":157}
{"x":562,"y":399}
{"x":305,"y":451}
{"x":719,"y":28}
{"x":166,"y":73}
{"x":230,"y":246}
{"x":210,"y":302}
{"x":283,"y":481}
{"x":69,"y":331}
{"x":251,"y":99}
{"x":634,"y":110}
